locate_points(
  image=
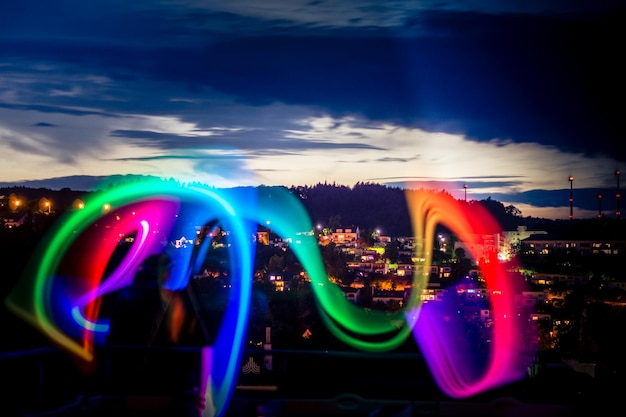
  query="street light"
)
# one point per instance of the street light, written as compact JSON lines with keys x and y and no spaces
{"x":599,"y":206}
{"x":78,"y":204}
{"x":45,"y":205}
{"x":465,"y":188}
{"x":571,"y":197}
{"x":617,"y":194}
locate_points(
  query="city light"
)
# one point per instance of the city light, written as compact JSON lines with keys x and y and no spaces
{"x":59,"y":297}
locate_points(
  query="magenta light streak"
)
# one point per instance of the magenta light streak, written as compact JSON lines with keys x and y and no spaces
{"x":137,"y":217}
{"x":437,"y":330}
{"x":123,"y":274}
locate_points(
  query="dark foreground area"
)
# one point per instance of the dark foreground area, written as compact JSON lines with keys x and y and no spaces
{"x":48,"y":382}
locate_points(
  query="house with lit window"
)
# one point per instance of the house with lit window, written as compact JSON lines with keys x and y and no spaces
{"x":277,"y":279}
{"x":548,"y":244}
{"x":483,"y":246}
{"x":344,"y":236}
{"x":13,"y":220}
{"x":550,"y":279}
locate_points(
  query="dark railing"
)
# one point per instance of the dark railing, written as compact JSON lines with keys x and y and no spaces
{"x":48,"y":382}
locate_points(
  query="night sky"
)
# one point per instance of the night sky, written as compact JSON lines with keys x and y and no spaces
{"x":510,"y":98}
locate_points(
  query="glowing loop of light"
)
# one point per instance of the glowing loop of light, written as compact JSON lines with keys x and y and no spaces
{"x":510,"y":352}
{"x":65,"y":308}
{"x":67,"y":313}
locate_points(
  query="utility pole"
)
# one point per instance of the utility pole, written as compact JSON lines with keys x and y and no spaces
{"x":571,"y":197}
{"x":617,"y":194}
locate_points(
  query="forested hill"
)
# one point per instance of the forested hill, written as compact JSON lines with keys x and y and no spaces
{"x":368,"y":206}
{"x":372,"y":206}
{"x":62,"y":198}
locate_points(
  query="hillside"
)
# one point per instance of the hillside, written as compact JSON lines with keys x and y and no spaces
{"x":367,"y":206}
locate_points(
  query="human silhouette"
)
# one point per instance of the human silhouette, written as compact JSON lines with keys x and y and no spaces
{"x":154,"y":344}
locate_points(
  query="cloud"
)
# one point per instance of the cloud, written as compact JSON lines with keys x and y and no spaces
{"x":241,"y":139}
{"x":373,"y":13}
{"x":450,"y":84}
{"x":57,"y":109}
{"x":509,"y":97}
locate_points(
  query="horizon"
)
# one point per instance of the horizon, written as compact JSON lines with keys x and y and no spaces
{"x":89,"y":184}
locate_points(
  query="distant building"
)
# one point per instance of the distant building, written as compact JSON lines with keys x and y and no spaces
{"x":432,"y":294}
{"x":479,"y":247}
{"x":549,"y":280}
{"x":278,"y":279}
{"x":547,"y":244}
{"x":514,"y":237}
{"x":13,"y":220}
{"x":343,"y":236}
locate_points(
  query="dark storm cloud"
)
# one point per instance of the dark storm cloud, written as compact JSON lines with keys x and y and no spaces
{"x":421,"y":182}
{"x":534,"y":78}
{"x":343,"y":76}
{"x":185,"y":157}
{"x":487,"y":180}
{"x":77,"y":182}
{"x":528,"y":78}
{"x":236,"y":140}
{"x":407,"y":159}
{"x":586,"y":198}
{"x":56,"y":109}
